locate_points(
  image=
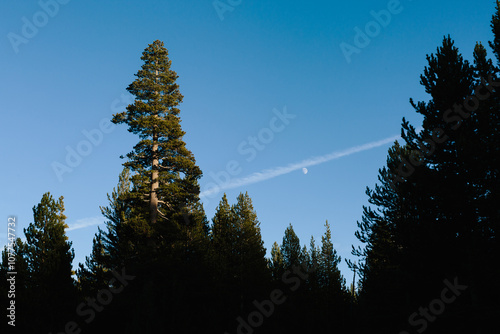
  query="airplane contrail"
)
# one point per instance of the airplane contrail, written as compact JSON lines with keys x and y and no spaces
{"x":85,"y":222}
{"x":278,"y":171}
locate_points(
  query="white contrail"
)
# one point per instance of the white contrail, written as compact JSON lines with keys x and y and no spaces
{"x":277,"y":171}
{"x":85,"y":222}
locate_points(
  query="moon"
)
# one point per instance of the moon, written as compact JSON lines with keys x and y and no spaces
{"x":304,"y":170}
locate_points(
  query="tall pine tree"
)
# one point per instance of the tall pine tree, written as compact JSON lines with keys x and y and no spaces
{"x":166,"y":175}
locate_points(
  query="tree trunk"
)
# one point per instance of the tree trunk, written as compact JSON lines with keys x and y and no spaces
{"x":153,"y":202}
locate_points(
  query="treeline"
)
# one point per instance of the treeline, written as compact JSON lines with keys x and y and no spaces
{"x":430,"y":234}
{"x":213,"y":278}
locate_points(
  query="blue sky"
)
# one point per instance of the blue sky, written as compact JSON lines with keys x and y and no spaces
{"x":65,"y":66}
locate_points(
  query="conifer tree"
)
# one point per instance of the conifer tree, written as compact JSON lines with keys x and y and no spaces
{"x":457,"y":166}
{"x":238,"y":246}
{"x":329,"y":274}
{"x":49,"y":256}
{"x":224,"y":259}
{"x":390,"y":263}
{"x":290,"y":248}
{"x":125,"y":238}
{"x":166,"y":175}
{"x":224,"y":238}
{"x":430,"y":225}
{"x":238,"y":258}
{"x":321,"y":303}
{"x":163,"y":232}
{"x":253,"y":265}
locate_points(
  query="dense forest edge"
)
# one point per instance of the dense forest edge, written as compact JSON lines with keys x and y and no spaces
{"x":430,"y":235}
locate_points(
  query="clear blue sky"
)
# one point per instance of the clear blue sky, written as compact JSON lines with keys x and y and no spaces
{"x":64,"y":70}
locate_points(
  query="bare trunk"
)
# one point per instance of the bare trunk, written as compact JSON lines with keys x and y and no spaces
{"x":153,"y":202}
